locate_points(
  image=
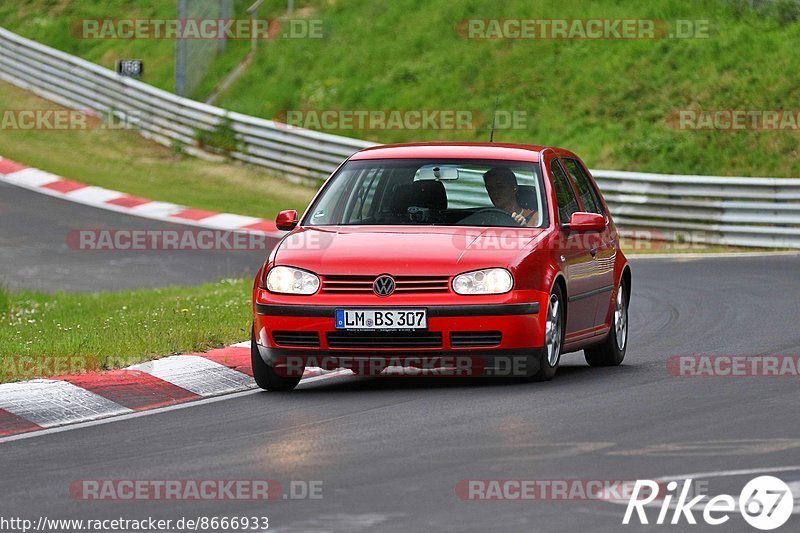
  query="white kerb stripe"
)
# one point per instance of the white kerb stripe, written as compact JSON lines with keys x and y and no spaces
{"x":31,"y":177}
{"x":197,"y":374}
{"x":94,"y":195}
{"x":157,"y":209}
{"x":245,"y":344}
{"x":229,"y":221}
{"x":51,"y":403}
{"x":315,"y":371}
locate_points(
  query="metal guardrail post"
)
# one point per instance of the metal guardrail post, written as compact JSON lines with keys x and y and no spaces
{"x":253,"y":12}
{"x":180,"y":54}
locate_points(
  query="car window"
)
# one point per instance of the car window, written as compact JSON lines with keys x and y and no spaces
{"x":361,"y":201}
{"x":444,"y":192}
{"x":589,"y":198}
{"x":565,"y":195}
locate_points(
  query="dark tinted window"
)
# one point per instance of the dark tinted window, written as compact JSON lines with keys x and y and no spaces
{"x":591,"y":202}
{"x":567,"y":203}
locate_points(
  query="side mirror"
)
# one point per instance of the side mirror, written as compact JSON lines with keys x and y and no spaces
{"x":286,"y":220}
{"x":585,"y":222}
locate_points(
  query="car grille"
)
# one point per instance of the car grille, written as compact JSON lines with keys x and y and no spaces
{"x":384,"y":339}
{"x":403,"y":284}
{"x":296,"y":338}
{"x":469,"y":339}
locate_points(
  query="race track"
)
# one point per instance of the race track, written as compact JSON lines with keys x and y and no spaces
{"x":390,"y":451}
{"x":35,"y":252}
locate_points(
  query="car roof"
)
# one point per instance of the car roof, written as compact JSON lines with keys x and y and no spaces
{"x":504,"y":151}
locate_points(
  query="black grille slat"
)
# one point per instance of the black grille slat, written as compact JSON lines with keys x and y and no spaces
{"x":296,"y":338}
{"x":381,"y":339}
{"x":466,"y":339}
{"x":403,"y":284}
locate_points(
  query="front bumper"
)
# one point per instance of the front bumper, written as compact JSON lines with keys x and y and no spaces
{"x":478,"y":339}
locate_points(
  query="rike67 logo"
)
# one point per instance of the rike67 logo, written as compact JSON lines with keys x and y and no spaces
{"x":765,"y":503}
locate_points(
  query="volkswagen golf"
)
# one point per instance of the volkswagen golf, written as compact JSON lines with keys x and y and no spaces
{"x":475,"y":259}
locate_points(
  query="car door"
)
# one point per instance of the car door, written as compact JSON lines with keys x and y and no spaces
{"x":577,"y":261}
{"x":602,"y":245}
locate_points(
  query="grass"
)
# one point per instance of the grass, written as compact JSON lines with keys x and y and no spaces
{"x":47,"y":334}
{"x":607,"y":100}
{"x":123,"y":160}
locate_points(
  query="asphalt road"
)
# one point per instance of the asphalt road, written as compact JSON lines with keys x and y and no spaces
{"x":389,"y":452}
{"x":35,"y":252}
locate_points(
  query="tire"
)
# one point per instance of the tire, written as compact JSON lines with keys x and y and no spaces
{"x":612,"y":351}
{"x":550,"y":354}
{"x":265,"y":374}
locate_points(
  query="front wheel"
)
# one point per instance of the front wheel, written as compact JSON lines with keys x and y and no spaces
{"x":553,"y":337}
{"x":612,"y":351}
{"x":265,"y":375}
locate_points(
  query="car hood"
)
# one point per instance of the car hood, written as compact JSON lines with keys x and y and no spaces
{"x":371,"y":250}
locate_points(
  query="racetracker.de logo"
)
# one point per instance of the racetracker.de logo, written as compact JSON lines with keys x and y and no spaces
{"x":409,"y":365}
{"x":734,"y":119}
{"x":546,"y":489}
{"x":187,"y":240}
{"x":64,"y":120}
{"x":196,"y":29}
{"x":734,"y":366}
{"x":581,"y":29}
{"x":174,"y":489}
{"x":399,"y":119}
{"x":22,"y":367}
{"x":194,"y":489}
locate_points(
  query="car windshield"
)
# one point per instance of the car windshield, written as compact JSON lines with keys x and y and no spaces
{"x":428,"y":192}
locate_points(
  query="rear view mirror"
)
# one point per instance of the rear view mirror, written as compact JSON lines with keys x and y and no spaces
{"x":584,"y":222}
{"x":286,"y":220}
{"x":437,"y":173}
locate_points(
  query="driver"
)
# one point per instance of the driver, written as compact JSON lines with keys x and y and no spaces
{"x":501,"y":184}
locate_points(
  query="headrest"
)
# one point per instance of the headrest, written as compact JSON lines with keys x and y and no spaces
{"x":526,"y":196}
{"x":428,"y":194}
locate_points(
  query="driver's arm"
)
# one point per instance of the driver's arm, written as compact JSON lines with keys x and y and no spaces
{"x":527,"y":217}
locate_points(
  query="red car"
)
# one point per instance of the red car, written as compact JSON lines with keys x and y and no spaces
{"x":474,"y":259}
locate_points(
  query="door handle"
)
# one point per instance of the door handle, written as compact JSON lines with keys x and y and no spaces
{"x":593,"y":251}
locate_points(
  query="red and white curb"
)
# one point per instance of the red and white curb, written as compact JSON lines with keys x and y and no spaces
{"x":44,"y":404}
{"x":50,"y":184}
{"x":64,"y":400}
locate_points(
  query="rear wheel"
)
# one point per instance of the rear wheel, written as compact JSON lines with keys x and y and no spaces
{"x":265,"y":375}
{"x":612,"y":351}
{"x":553,"y":337}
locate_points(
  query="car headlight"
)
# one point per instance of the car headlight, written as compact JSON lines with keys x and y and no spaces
{"x":489,"y":281}
{"x":289,"y":280}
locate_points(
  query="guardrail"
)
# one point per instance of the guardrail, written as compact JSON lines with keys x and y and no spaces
{"x":761,"y":212}
{"x":165,"y":117}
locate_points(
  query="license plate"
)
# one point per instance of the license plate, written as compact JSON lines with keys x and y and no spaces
{"x":382,"y":319}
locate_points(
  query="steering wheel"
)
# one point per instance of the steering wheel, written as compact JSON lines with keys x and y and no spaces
{"x":489,"y":216}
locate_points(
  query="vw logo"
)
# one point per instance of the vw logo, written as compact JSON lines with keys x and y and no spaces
{"x":383,"y":285}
